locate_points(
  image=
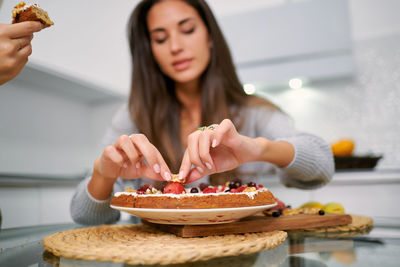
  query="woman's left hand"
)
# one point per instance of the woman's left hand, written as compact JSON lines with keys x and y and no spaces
{"x":218,"y":148}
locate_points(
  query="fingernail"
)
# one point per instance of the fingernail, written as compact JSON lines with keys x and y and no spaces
{"x":125,"y":165}
{"x":156,"y":168}
{"x":138,"y":165}
{"x":181,"y":175}
{"x":214,"y":143}
{"x":200,"y":169}
{"x":208,"y":165}
{"x":167,"y":176}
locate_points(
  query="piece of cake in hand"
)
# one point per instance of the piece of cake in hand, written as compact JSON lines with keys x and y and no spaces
{"x":23,"y":12}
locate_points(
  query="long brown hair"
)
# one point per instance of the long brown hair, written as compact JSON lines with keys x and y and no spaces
{"x":153,"y":104}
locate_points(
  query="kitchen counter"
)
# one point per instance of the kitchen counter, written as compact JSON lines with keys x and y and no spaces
{"x":24,"y":247}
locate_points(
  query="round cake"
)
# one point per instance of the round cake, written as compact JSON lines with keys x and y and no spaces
{"x":175,"y":196}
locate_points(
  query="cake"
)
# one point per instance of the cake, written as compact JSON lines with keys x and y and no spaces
{"x":175,"y":196}
{"x":23,"y":12}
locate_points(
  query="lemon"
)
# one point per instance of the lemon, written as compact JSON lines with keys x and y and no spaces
{"x":343,"y":147}
{"x":312,"y":204}
{"x":334,"y":208}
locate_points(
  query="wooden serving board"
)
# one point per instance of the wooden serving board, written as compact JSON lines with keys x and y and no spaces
{"x":255,"y":224}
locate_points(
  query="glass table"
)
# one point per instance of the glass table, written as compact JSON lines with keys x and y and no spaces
{"x":379,"y":247}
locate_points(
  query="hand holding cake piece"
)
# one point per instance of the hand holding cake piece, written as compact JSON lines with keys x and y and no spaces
{"x":31,"y":12}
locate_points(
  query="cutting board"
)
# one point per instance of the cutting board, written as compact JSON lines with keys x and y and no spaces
{"x":255,"y":224}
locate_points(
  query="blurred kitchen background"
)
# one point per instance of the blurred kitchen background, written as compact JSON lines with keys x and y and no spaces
{"x":332,"y":65}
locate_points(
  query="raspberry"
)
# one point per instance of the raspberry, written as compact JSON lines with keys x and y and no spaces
{"x":280,"y":206}
{"x":143,"y":189}
{"x":240,"y":189}
{"x":210,"y":190}
{"x":174,"y":188}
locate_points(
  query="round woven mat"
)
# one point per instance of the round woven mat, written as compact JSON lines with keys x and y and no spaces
{"x":140,"y":244}
{"x":359,"y":223}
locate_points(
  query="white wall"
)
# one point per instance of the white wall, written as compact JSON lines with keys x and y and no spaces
{"x":365,"y":108}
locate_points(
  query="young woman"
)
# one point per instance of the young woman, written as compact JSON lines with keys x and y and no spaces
{"x":184,"y":78}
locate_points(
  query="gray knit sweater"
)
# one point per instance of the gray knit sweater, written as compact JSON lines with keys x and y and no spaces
{"x":311,"y":167}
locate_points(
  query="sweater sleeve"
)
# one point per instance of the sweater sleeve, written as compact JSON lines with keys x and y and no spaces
{"x":83,"y":207}
{"x":312,"y":165}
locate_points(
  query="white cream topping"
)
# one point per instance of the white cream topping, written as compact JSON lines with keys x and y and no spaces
{"x":249,"y":194}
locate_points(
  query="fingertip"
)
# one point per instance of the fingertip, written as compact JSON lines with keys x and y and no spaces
{"x":181,"y":175}
{"x":40,"y":26}
{"x":36,"y":26}
{"x":193,"y":176}
{"x":214,"y":143}
{"x":167,"y":176}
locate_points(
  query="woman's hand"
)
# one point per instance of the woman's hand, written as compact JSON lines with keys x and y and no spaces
{"x":125,"y":159}
{"x":15,"y":47}
{"x":218,"y":148}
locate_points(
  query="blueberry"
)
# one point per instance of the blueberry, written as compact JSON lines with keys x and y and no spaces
{"x":321,"y":212}
{"x":238,"y":182}
{"x":233,"y":185}
{"x":194,"y":190}
{"x":203,"y":186}
{"x":251,"y":184}
{"x":288,"y":206}
{"x":276,"y":214}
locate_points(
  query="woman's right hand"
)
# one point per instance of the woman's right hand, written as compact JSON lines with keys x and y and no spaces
{"x":125,"y":159}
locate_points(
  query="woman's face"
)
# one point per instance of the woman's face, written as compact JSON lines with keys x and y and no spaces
{"x":179,"y":40}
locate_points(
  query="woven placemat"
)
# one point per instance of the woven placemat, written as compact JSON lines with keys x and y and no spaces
{"x":140,"y":244}
{"x":359,"y":223}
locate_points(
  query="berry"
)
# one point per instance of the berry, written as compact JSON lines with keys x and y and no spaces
{"x":321,"y":212}
{"x":227,"y":190}
{"x":276,"y":214}
{"x":240,"y":189}
{"x":280,"y":205}
{"x":174,"y":188}
{"x":234,"y":190}
{"x":203,"y":186}
{"x":232,"y":185}
{"x":221,"y":188}
{"x":238,"y":182}
{"x":194,"y":190}
{"x":142,"y":190}
{"x":210,"y":190}
{"x":260,"y":186}
{"x":251,"y":184}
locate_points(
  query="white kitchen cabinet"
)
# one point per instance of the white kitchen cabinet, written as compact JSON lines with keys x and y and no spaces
{"x":294,"y":39}
{"x":51,"y":122}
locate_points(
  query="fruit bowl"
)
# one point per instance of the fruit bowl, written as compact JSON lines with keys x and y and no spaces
{"x":356,"y":162}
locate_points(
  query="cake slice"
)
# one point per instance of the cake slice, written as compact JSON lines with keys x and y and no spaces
{"x":23,"y":12}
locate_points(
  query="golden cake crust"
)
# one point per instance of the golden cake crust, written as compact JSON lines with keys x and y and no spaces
{"x":194,"y":201}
